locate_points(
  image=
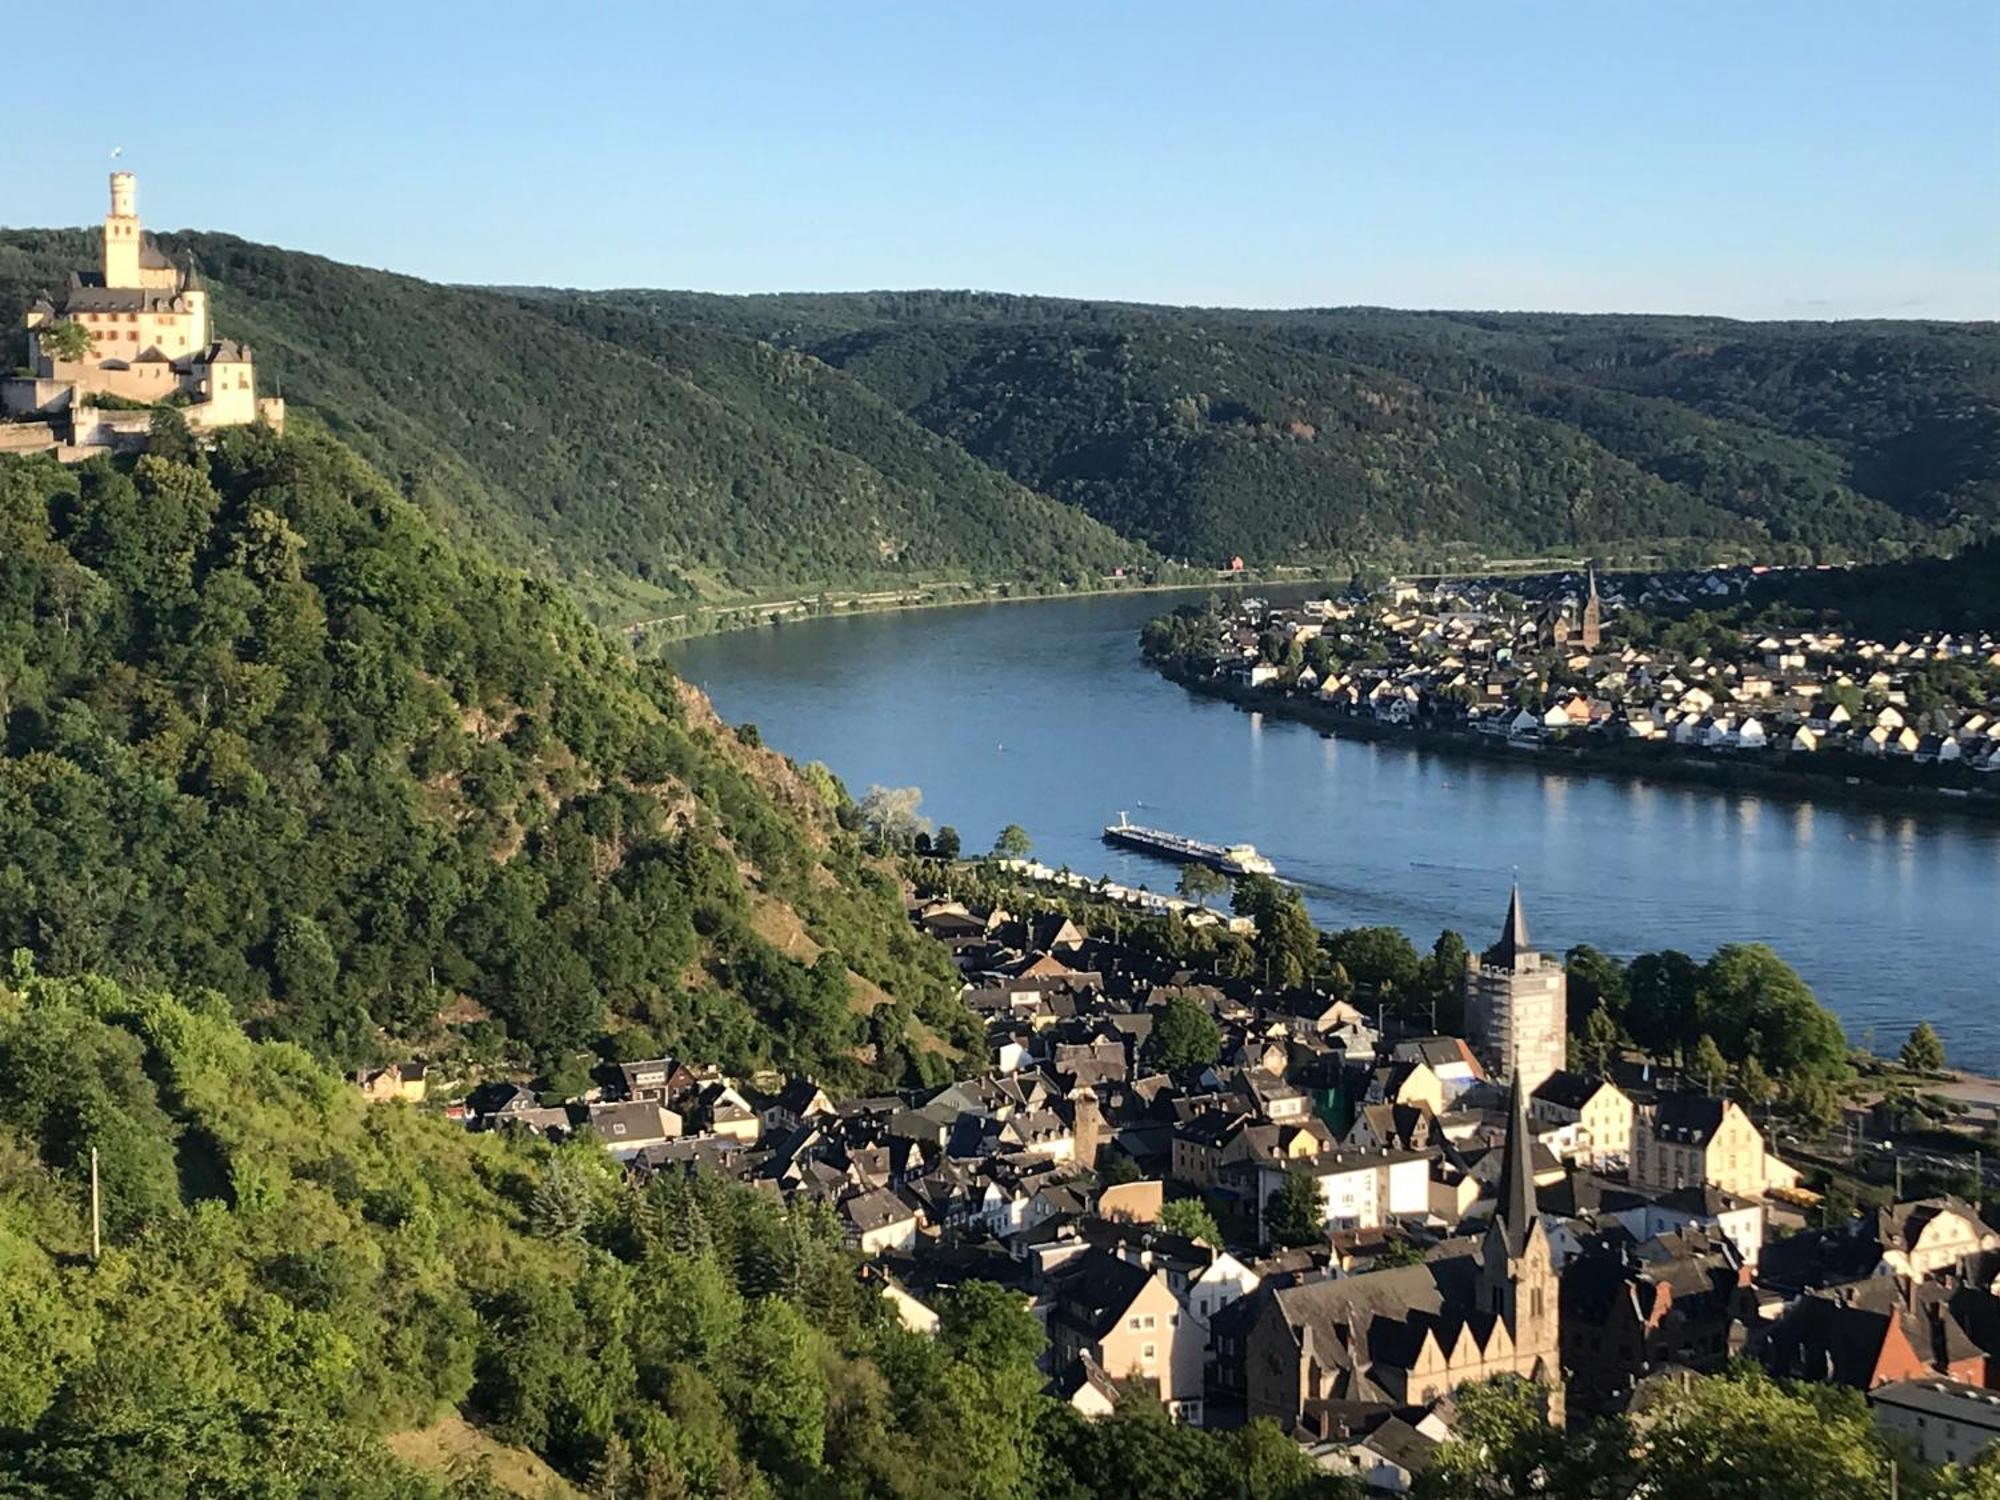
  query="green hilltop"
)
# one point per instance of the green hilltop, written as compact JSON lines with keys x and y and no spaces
{"x":649,"y":470}
{"x":664,"y":450}
{"x":1287,"y":436}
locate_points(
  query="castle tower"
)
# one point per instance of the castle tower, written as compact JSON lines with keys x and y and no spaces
{"x":121,"y":232}
{"x":1515,"y":1004}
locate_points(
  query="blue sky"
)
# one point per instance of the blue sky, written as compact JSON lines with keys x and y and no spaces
{"x":1757,"y":159}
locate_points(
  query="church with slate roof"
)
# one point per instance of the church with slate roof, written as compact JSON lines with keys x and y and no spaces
{"x":124,"y":339}
{"x":1409,"y":1335}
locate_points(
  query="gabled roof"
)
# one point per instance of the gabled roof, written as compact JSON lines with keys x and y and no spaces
{"x":1093,"y":1291}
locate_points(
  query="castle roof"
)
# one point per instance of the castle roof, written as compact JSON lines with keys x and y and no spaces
{"x":226,"y":352}
{"x":151,"y":258}
{"x":87,"y":293}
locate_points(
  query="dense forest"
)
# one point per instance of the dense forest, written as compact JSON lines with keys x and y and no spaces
{"x":1287,"y":435}
{"x":655,"y":449}
{"x":268,"y":733}
{"x":646,"y":471}
{"x":1961,"y":593}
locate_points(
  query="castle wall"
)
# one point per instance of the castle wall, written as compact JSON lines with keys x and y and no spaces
{"x":29,"y":396}
{"x":230,"y":393}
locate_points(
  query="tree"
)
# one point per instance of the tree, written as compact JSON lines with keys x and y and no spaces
{"x":68,"y":339}
{"x":1199,"y":882}
{"x":1114,"y":1168}
{"x":1286,"y":948}
{"x":946,"y":845}
{"x":1595,"y":979}
{"x":1753,"y":1084}
{"x":1377,"y":959}
{"x":1190,"y":1217}
{"x":990,"y":1326}
{"x":1742,"y":1434}
{"x":1013,"y":842}
{"x":1503,"y":1445}
{"x":890,"y":816}
{"x":1297,"y":1213}
{"x":1442,"y":979}
{"x":1812,"y":1103}
{"x":1602,"y":1042}
{"x":784,"y":1390}
{"x":1708,"y":1067}
{"x":1748,"y":996}
{"x":1185,"y":1036}
{"x":1662,"y":1010}
{"x":1924,"y":1051}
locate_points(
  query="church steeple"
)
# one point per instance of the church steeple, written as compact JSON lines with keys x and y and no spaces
{"x":1515,"y":1212}
{"x":1591,"y":629}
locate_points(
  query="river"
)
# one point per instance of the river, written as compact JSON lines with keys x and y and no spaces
{"x":1043,"y":714}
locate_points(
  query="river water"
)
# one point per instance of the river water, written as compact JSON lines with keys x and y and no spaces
{"x":1043,"y":714}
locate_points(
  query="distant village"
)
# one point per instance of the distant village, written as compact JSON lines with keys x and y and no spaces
{"x":1528,"y":663}
{"x":1321,"y":1219}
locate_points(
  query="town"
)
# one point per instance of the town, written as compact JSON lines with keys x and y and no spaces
{"x":1628,"y":664}
{"x":1246,"y":1200}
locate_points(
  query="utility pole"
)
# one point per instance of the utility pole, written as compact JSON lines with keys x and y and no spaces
{"x":96,"y":1217}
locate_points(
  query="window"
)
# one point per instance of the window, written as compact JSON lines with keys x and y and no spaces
{"x":1148,"y":1353}
{"x":1149,"y":1321}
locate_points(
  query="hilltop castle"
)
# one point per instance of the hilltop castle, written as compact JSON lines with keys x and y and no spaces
{"x":127,"y":338}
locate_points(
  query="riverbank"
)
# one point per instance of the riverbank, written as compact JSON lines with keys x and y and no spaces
{"x":1852,"y":782}
{"x":833,"y":604}
{"x":756,"y":614}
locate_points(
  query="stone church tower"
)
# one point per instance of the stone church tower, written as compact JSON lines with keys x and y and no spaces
{"x":1516,"y":1004}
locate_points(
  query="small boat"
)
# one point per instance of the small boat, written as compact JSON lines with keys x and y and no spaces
{"x":1231,"y":859}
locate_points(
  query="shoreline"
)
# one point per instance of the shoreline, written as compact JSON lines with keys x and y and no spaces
{"x":771,"y":614}
{"x":723,"y":617}
{"x":1669,"y":767}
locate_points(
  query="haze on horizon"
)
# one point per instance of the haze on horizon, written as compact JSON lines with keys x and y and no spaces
{"x":1787,"y":160}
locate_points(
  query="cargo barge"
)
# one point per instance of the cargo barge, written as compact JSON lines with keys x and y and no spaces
{"x":1231,"y":859}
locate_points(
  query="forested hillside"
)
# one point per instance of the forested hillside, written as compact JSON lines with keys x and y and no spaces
{"x":655,"y":449}
{"x":676,"y":464}
{"x":295,"y":1287}
{"x":1212,"y":431}
{"x":267,"y":733}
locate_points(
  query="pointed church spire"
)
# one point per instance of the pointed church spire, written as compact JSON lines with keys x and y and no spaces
{"x":1513,"y":934}
{"x":1515,"y":1210}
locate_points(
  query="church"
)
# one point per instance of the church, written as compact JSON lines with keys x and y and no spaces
{"x":1409,"y":1335}
{"x":132,"y":335}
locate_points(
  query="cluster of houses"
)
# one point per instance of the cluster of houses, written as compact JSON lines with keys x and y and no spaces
{"x":1477,"y":656}
{"x":1595,"y":1235}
